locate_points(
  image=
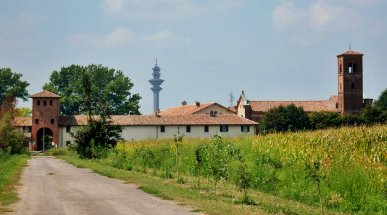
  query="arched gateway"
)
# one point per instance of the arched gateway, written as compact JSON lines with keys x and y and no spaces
{"x":44,"y":139}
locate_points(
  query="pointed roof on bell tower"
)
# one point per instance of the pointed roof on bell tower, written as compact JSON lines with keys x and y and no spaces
{"x":350,"y":52}
{"x":45,"y":94}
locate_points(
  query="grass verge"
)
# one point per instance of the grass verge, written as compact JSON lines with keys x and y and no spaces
{"x":10,"y":170}
{"x":198,"y":199}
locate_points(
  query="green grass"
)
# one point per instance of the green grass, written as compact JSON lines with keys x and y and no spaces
{"x":203,"y":199}
{"x":10,"y":169}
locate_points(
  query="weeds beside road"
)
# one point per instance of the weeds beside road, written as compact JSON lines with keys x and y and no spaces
{"x":10,"y":169}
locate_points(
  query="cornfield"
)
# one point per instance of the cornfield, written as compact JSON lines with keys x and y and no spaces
{"x":338,"y":169}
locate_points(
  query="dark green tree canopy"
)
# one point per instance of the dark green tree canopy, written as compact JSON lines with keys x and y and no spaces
{"x":108,"y":86}
{"x":11,"y":85}
{"x":382,"y":100}
{"x":285,"y":118}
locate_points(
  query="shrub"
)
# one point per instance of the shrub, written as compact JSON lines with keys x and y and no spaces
{"x":285,"y":118}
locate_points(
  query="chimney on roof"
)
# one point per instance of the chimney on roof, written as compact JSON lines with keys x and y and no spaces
{"x":184,"y":103}
{"x":157,"y":113}
{"x":197,"y":104}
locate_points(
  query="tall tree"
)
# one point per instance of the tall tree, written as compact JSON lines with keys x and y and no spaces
{"x":11,"y":85}
{"x":108,"y":85}
{"x":93,"y":140}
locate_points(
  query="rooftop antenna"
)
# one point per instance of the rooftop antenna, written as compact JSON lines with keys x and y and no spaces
{"x":350,"y":48}
{"x":231,"y":99}
{"x":156,"y":61}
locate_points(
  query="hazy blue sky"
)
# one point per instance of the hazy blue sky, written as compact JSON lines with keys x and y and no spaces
{"x":274,"y":50}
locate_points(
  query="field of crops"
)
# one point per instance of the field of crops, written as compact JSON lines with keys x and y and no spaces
{"x":338,"y":170}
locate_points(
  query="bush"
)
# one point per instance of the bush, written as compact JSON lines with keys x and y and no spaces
{"x":285,"y":118}
{"x":94,"y":140}
{"x":323,"y":119}
{"x":11,"y":139}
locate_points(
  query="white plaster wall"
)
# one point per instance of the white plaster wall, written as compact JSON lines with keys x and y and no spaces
{"x":241,"y":110}
{"x":153,"y":132}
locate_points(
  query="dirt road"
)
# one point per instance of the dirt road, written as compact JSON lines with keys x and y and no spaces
{"x":51,"y":186}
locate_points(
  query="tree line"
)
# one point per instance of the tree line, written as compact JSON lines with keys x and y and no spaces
{"x":293,"y":118}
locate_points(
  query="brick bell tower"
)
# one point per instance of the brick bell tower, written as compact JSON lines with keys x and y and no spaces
{"x":45,"y":117}
{"x":350,"y":82}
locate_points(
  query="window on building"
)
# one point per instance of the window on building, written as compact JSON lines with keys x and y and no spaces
{"x":245,"y":128}
{"x":44,"y":102}
{"x":38,"y":102}
{"x":206,"y":128}
{"x":68,"y":129}
{"x":341,"y":68}
{"x":162,"y":128}
{"x":27,"y":129}
{"x":52,"y":121}
{"x":352,"y":68}
{"x":68,"y":143}
{"x":51,"y":102}
{"x":188,"y":128}
{"x":37,"y":121}
{"x":224,"y":128}
{"x":352,"y":85}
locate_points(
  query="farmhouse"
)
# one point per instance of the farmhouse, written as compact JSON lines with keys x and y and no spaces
{"x":46,"y":120}
{"x":349,"y":98}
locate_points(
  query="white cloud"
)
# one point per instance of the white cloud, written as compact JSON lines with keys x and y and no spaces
{"x":168,"y":9}
{"x":160,"y":35}
{"x":321,"y":16}
{"x":364,"y":2}
{"x":120,"y":36}
{"x":287,"y":14}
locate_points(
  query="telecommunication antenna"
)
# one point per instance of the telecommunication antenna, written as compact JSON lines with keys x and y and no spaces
{"x":231,"y":100}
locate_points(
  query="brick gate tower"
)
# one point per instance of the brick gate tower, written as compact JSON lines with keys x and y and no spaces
{"x":350,"y":82}
{"x":45,"y":117}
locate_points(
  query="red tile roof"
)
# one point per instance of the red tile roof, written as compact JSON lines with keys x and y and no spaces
{"x":350,"y":52}
{"x":199,"y":119}
{"x":133,"y":120}
{"x":190,"y":109}
{"x":45,"y":94}
{"x":22,"y":121}
{"x":309,"y":106}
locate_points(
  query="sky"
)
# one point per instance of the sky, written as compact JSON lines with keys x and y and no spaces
{"x":206,"y":49}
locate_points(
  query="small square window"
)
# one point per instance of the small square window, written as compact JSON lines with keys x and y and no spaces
{"x":224,"y":128}
{"x":206,"y":128}
{"x":38,"y":102}
{"x":51,"y":102}
{"x":188,"y":128}
{"x":44,"y":102}
{"x":245,"y":128}
{"x":52,"y":121}
{"x":162,"y":128}
{"x":37,"y":121}
{"x":68,"y":129}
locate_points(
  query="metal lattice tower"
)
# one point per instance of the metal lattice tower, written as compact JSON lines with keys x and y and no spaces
{"x":156,"y":82}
